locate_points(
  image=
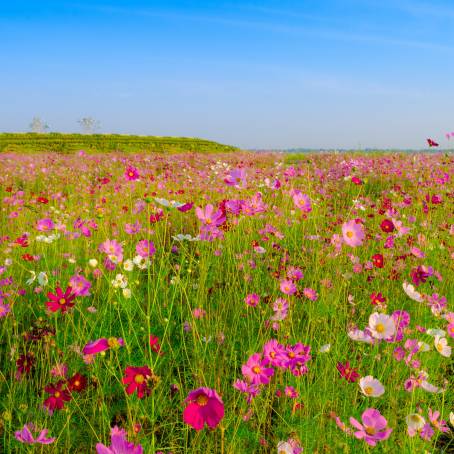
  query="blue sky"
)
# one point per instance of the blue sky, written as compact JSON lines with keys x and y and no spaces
{"x":268,"y":74}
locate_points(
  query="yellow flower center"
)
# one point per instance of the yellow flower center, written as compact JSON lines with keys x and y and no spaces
{"x":380,"y":328}
{"x":202,"y":400}
{"x":291,"y":355}
{"x":57,"y":394}
{"x":139,"y":379}
{"x":368,"y":390}
{"x":439,"y":346}
{"x":370,"y":430}
{"x":62,"y":301}
{"x":256,"y":370}
{"x":77,"y":383}
{"x":349,"y":234}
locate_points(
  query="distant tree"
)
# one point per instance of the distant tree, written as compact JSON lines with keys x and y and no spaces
{"x":89,"y":125}
{"x":38,"y":125}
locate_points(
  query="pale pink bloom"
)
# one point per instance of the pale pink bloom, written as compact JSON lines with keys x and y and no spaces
{"x":371,"y":387}
{"x":381,"y":326}
{"x":353,"y":233}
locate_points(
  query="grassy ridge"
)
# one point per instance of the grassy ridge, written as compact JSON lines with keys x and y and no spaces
{"x":69,"y":143}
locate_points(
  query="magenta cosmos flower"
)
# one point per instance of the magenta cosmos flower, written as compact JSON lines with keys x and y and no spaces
{"x":131,"y":173}
{"x":255,"y":370}
{"x":60,"y":301}
{"x":204,"y":406}
{"x":44,"y":225}
{"x":25,"y":435}
{"x":373,"y":429}
{"x":136,"y":379}
{"x":353,"y":233}
{"x":118,"y":444}
{"x":145,"y":248}
{"x":80,"y":285}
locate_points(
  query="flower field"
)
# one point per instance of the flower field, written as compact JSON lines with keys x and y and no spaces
{"x":226,"y":303}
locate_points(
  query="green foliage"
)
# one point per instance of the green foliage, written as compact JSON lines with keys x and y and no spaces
{"x":102,"y":143}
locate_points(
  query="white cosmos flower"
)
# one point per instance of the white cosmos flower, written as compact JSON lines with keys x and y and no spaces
{"x":441,"y":344}
{"x":126,"y":293}
{"x":409,"y":289}
{"x":371,"y":387}
{"x":128,"y":265}
{"x":451,"y":418}
{"x":381,"y":326}
{"x":415,"y":422}
{"x":93,"y":263}
{"x":325,"y":348}
{"x":43,"y":279}
{"x":423,"y":347}
{"x":284,"y":447}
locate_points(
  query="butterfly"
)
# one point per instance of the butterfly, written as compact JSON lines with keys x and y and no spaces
{"x":432,"y":143}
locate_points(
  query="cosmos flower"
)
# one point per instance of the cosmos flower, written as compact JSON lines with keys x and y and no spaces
{"x":371,"y":387}
{"x":381,"y":326}
{"x":256,"y":371}
{"x":61,"y":301}
{"x":204,"y":406}
{"x":353,"y":233}
{"x":442,"y":347}
{"x":137,"y":379}
{"x":409,"y":289}
{"x":131,"y":173}
{"x":373,"y":428}
{"x":58,"y":396}
{"x":25,"y":435}
{"x":349,"y":373}
{"x":118,"y":444}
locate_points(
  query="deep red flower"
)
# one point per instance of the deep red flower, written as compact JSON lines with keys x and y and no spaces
{"x":387,"y":226}
{"x":349,"y":373}
{"x":25,"y":364}
{"x":22,"y":241}
{"x":155,"y":345}
{"x":377,"y":299}
{"x":77,"y":383}
{"x":137,"y":380}
{"x":60,"y":301}
{"x":377,"y":260}
{"x":43,"y":200}
{"x":28,"y":257}
{"x":58,"y":396}
{"x":357,"y":180}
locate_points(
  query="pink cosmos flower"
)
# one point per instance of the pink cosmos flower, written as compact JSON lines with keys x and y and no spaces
{"x":44,"y":225}
{"x":310,"y":294}
{"x":60,"y":301}
{"x":373,"y":427}
{"x":118,"y":444}
{"x":353,"y":233}
{"x":252,"y":299}
{"x":136,"y":379}
{"x":273,"y":353}
{"x":236,"y":178}
{"x":25,"y":435}
{"x":204,"y":406}
{"x":250,"y":390}
{"x":80,"y":285}
{"x":145,"y":248}
{"x":301,"y":201}
{"x":209,"y":217}
{"x":113,"y":249}
{"x":255,"y":370}
{"x":288,"y":287}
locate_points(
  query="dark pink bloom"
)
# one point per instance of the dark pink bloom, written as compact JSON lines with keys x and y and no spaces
{"x":60,"y":301}
{"x":137,"y":379}
{"x":96,"y":346}
{"x":44,"y":225}
{"x":255,"y":370}
{"x":131,"y":173}
{"x":204,"y":406}
{"x":80,"y":285}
